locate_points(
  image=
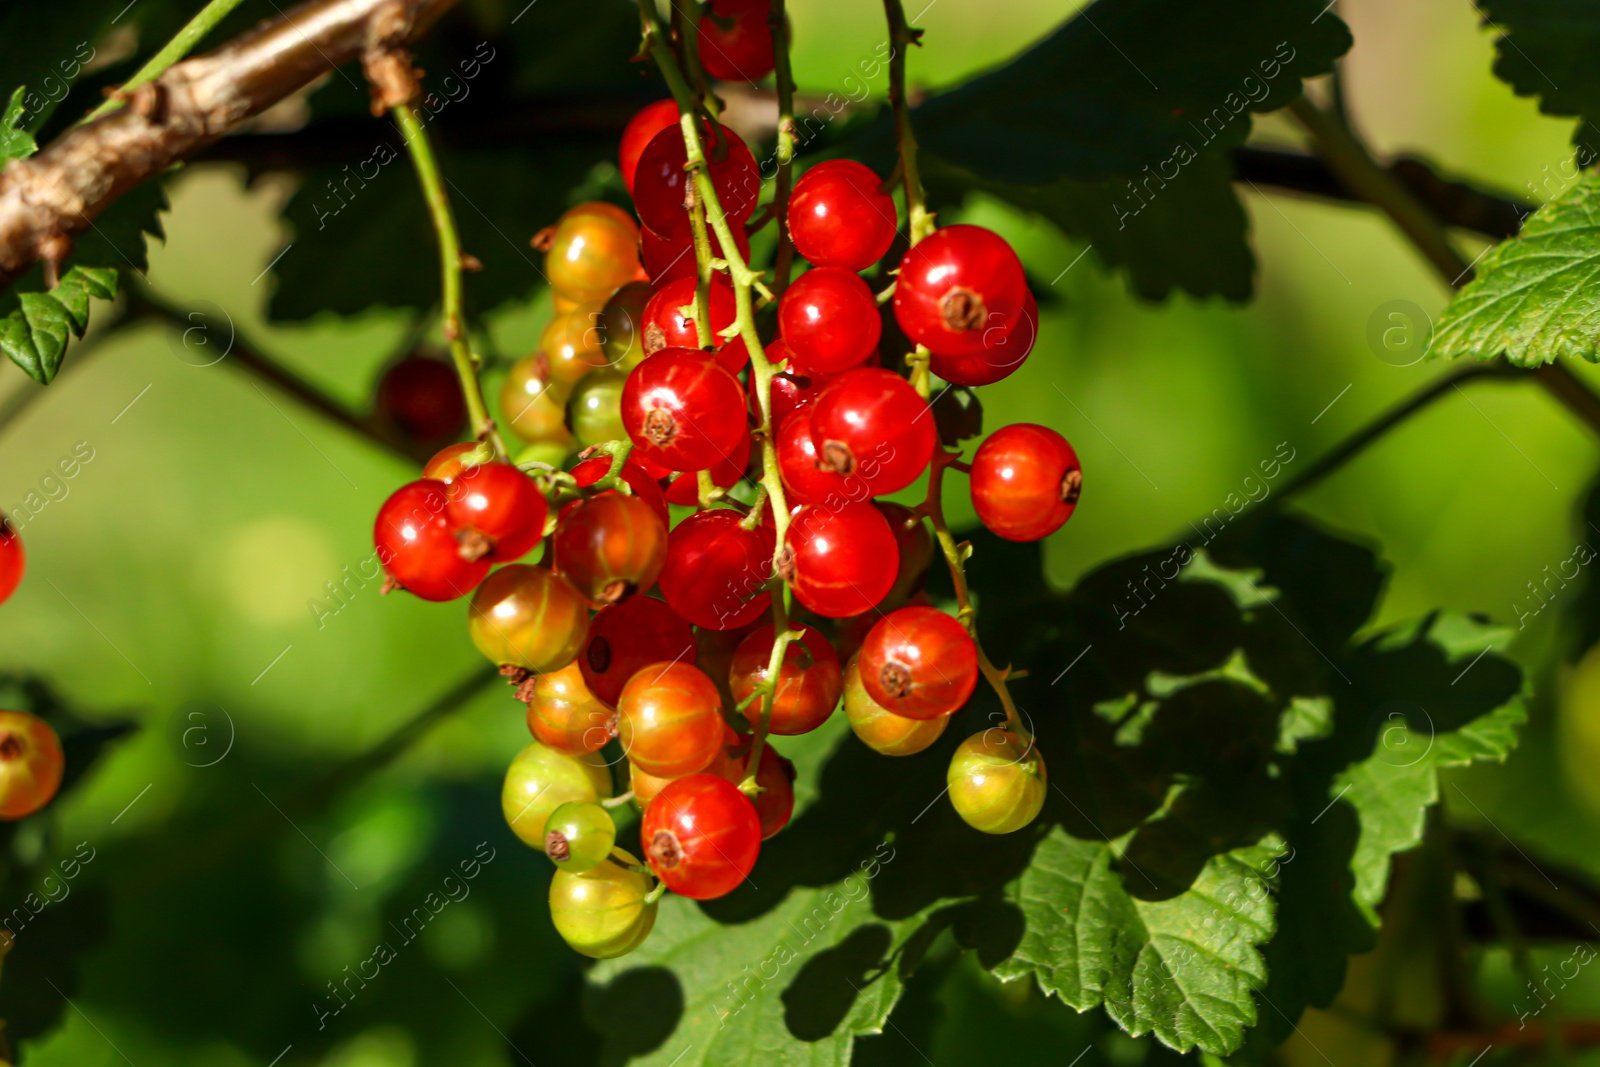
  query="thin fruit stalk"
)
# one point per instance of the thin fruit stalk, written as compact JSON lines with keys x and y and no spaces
{"x":744,"y":279}
{"x":450,"y":262}
{"x":783,"y":75}
{"x":955,"y":555}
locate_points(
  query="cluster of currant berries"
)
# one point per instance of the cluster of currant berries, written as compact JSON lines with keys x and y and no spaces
{"x":31,"y":761}
{"x":637,"y":628}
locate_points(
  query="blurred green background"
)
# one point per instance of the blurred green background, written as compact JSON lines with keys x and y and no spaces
{"x":173,"y":585}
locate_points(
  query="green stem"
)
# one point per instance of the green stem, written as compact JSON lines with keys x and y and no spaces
{"x":744,"y":280}
{"x":778,"y":26}
{"x":191,"y":34}
{"x":686,"y":15}
{"x":450,"y":261}
{"x":955,"y":556}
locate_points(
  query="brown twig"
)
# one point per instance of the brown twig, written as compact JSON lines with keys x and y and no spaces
{"x":48,"y":199}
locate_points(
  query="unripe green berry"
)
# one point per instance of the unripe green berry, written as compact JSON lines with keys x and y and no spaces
{"x":595,"y":409}
{"x":540,"y":780}
{"x":579,"y":835}
{"x":602,"y":912}
{"x":997,"y":781}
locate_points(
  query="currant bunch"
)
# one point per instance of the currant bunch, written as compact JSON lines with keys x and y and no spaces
{"x":698,"y":452}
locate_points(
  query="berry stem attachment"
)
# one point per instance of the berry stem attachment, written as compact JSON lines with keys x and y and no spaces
{"x":744,"y":280}
{"x":955,"y":555}
{"x":901,"y":37}
{"x":783,"y":73}
{"x":451,"y":259}
{"x":192,"y":33}
{"x":617,"y":802}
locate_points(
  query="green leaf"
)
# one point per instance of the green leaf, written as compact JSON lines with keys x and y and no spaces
{"x":15,"y":142}
{"x":1157,"y":967}
{"x":1534,"y":297}
{"x":36,"y":332}
{"x":1116,"y":128}
{"x":1231,"y":770}
{"x":1546,"y":49}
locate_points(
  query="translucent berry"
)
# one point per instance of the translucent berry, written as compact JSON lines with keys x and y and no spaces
{"x":564,"y":715}
{"x":594,"y":411}
{"x":702,"y":836}
{"x":540,"y":780}
{"x":997,"y":781}
{"x":528,"y":617}
{"x":809,"y":680}
{"x":593,"y":251}
{"x":960,"y":292}
{"x":445,"y":464}
{"x":610,"y":546}
{"x":649,"y":121}
{"x":735,"y":43}
{"x":603,"y":912}
{"x":498,"y":509}
{"x":669,"y":260}
{"x":571,"y":343}
{"x":829,"y":321}
{"x":619,"y":326}
{"x":417,"y":544}
{"x":533,"y":404}
{"x":578,"y":835}
{"x":683,"y":410}
{"x":658,"y":184}
{"x":870,"y":422}
{"x":1006,"y":343}
{"x":669,"y":322}
{"x":840,"y":562}
{"x":716,"y":570}
{"x":1025,"y":481}
{"x":670,"y":719}
{"x":839,"y":217}
{"x":882,"y":730}
{"x":644,"y":486}
{"x":422,"y":398}
{"x":31,"y":763}
{"x":919,"y":663}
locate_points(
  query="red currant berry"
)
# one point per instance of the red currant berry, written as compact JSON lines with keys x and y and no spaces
{"x":627,"y":636}
{"x":422,"y":397}
{"x":528,"y":617}
{"x":1006,"y":344}
{"x":956,"y":287}
{"x":658,"y":184}
{"x":839,"y":216}
{"x":716,"y":570}
{"x":605,"y":911}
{"x":649,"y":121}
{"x":702,"y":836}
{"x":1025,"y":481}
{"x":804,"y":476}
{"x":668,"y":261}
{"x":498,"y":510}
{"x":564,"y":715}
{"x":684,"y":489}
{"x":610,"y":546}
{"x":540,"y":780}
{"x":871,"y":422}
{"x":829,"y":321}
{"x":683,"y":410}
{"x":447,"y":462}
{"x":30,"y":764}
{"x":593,"y":251}
{"x":670,"y":720}
{"x":13,"y":560}
{"x":417,"y":544}
{"x":735,"y":43}
{"x":919,"y":663}
{"x":916,"y":551}
{"x":809,"y":680}
{"x":640,"y":480}
{"x":997,"y":781}
{"x":669,"y":321}
{"x":840,"y":561}
{"x":882,"y":730}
